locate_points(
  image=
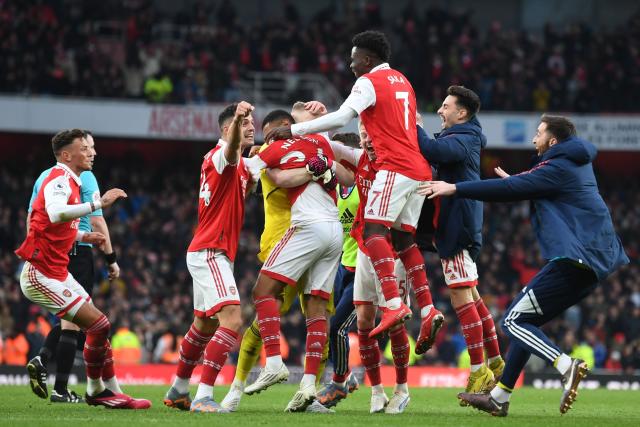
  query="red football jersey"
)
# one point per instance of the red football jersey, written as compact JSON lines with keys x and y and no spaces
{"x":294,"y":153}
{"x":365,"y":174}
{"x":391,"y":124}
{"x":223,"y":188}
{"x":47,"y":244}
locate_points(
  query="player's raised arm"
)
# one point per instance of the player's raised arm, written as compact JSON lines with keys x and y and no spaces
{"x":232,"y":150}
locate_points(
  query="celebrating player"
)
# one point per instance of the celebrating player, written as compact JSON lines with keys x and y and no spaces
{"x":45,"y":279}
{"x":216,"y":300}
{"x":277,"y":220}
{"x":575,"y":233}
{"x":312,"y":245}
{"x":455,"y":152}
{"x":366,"y":291}
{"x":343,"y":381}
{"x":386,"y":103}
{"x":62,"y":339}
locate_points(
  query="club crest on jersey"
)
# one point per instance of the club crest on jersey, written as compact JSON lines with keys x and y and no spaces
{"x":396,"y":79}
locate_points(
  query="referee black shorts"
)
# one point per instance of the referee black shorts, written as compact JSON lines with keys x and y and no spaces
{"x":81,"y":266}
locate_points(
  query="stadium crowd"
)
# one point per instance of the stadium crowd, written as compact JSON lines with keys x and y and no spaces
{"x":132,"y":49}
{"x":150,"y":305}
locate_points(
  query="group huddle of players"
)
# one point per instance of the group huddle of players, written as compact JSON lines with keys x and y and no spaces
{"x":348,"y":253}
{"x":360,"y":239}
{"x":304,"y":253}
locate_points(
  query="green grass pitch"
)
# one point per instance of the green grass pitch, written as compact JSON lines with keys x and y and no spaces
{"x":428,"y":407}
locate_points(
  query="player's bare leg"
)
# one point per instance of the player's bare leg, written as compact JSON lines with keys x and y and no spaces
{"x":215,"y":355}
{"x":316,"y":310}
{"x":431,"y":318}
{"x":370,"y":356}
{"x":265,"y":299}
{"x":97,"y":327}
{"x":381,"y":255}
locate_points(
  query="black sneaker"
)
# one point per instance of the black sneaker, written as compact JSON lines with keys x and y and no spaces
{"x":67,"y":397}
{"x":570,"y":380}
{"x":37,"y":377}
{"x":486,"y":403}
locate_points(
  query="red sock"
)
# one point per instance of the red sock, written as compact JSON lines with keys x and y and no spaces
{"x":472,"y":331}
{"x":417,"y":274}
{"x":400,"y":352}
{"x":108,"y":370}
{"x":216,"y":354}
{"x":269,"y":324}
{"x":490,"y":339}
{"x":316,"y":339}
{"x":381,"y":257}
{"x":95,"y":346}
{"x":370,"y":355}
{"x":191,"y":349}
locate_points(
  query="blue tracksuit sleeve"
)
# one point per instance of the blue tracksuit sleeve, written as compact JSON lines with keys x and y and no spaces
{"x":543,"y":180}
{"x":448,"y":149}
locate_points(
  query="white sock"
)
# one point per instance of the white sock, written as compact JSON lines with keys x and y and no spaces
{"x":308,"y":380}
{"x":181,"y":384}
{"x":342,"y":384}
{"x":493,"y":359}
{"x":402,"y":388}
{"x":476,"y":367}
{"x":94,"y":386}
{"x":274,"y":363}
{"x":424,"y":311}
{"x":204,"y":390}
{"x":239,"y":384}
{"x":112,"y":384}
{"x":394,"y":303}
{"x":563,"y":363}
{"x":377,"y":389}
{"x":500,"y":395}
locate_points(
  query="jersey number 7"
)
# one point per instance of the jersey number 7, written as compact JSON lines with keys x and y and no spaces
{"x":405,"y":97}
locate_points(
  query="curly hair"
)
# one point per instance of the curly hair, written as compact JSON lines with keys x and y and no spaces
{"x":375,"y":42}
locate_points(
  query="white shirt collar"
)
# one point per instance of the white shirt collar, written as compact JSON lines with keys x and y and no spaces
{"x":383,"y":66}
{"x":70,"y":172}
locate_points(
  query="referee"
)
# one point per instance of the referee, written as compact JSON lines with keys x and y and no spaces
{"x":575,"y":232}
{"x":63,"y":338}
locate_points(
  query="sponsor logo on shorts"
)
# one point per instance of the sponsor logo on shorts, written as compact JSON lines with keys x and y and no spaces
{"x":232,"y":289}
{"x":66,"y":293}
{"x":453,"y":277}
{"x":370,"y":212}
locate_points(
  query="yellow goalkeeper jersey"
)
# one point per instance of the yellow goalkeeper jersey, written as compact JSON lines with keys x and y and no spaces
{"x":277,"y":214}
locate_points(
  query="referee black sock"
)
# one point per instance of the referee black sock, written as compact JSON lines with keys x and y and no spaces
{"x":50,"y":345}
{"x":64,"y":358}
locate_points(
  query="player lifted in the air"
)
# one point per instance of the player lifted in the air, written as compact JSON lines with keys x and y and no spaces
{"x":386,"y":103}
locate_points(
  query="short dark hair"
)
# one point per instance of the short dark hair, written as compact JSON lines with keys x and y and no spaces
{"x":226,"y":114}
{"x":375,"y":42}
{"x":559,"y":126}
{"x":277,"y":115}
{"x":87,"y":132}
{"x":64,"y":138}
{"x":465,"y":98}
{"x":348,"y":138}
